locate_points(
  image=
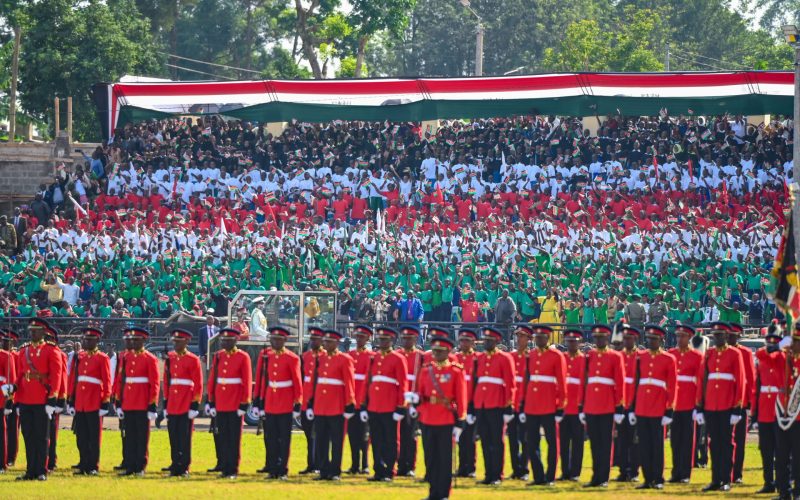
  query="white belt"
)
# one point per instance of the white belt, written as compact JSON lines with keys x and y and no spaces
{"x":280,"y":384}
{"x":653,"y":381}
{"x":628,"y":380}
{"x":519,"y":379}
{"x":411,"y":377}
{"x":306,"y":379}
{"x":329,"y":381}
{"x":229,"y":381}
{"x":687,"y":378}
{"x":574,"y":380}
{"x":181,"y":381}
{"x":383,"y":378}
{"x":770,"y":389}
{"x":491,"y":380}
{"x":137,"y":380}
{"x":89,"y":380}
{"x":467,"y":377}
{"x":543,"y":378}
{"x":360,"y":376}
{"x":2,"y":378}
{"x":721,"y":376}
{"x":601,"y":380}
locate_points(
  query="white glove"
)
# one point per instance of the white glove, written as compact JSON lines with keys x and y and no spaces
{"x":457,"y":433}
{"x":49,"y":410}
{"x":558,"y":419}
{"x":193,"y":414}
{"x":262,"y":413}
{"x":120,"y":413}
{"x":397,"y":416}
{"x":363,"y":416}
{"x":310,"y":414}
{"x":7,"y":389}
{"x":618,"y":418}
{"x":151,"y":415}
{"x":165,"y":413}
{"x":522,"y":418}
{"x":735,"y":419}
{"x":755,"y":426}
{"x":665,"y":421}
{"x":71,"y":411}
{"x":411,"y":398}
{"x":471,"y":419}
{"x":102,"y":412}
{"x":348,"y":416}
{"x":240,"y":413}
{"x":698,"y":417}
{"x":7,"y":411}
{"x":58,"y":409}
{"x":582,"y":418}
{"x":508,"y":418}
{"x":212,"y":412}
{"x":631,"y":418}
{"x":412,"y":412}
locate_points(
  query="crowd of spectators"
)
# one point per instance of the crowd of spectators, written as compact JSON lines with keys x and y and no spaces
{"x":662,"y":219}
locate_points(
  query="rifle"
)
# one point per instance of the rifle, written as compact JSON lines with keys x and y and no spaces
{"x":71,"y":401}
{"x":123,"y":378}
{"x":264,"y":390}
{"x":212,"y":428}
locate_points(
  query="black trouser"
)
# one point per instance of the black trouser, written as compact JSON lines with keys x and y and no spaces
{"x":36,"y":432}
{"x":88,"y":425}
{"x":571,"y":441}
{"x":787,"y":457}
{"x":651,"y":446}
{"x":229,"y":427}
{"x":534,"y":425}
{"x":52,"y":442}
{"x":490,"y":429}
{"x":329,"y":431}
{"x":278,"y":440}
{"x":701,"y":445}
{"x":739,"y":436}
{"x":311,"y":449}
{"x":600,"y":429}
{"x":767,"y":444}
{"x":3,"y":439}
{"x":407,"y":457}
{"x":426,"y":442}
{"x":681,"y":439}
{"x":466,"y":450}
{"x":627,"y":449}
{"x":179,"y":428}
{"x":137,"y":436}
{"x":720,"y":442}
{"x":383,"y":432}
{"x":358,"y":435}
{"x":517,"y":447}
{"x":440,"y":446}
{"x":12,"y":437}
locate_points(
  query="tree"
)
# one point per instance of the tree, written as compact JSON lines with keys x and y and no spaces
{"x":585,"y":48}
{"x":319,"y":27}
{"x":369,"y":17}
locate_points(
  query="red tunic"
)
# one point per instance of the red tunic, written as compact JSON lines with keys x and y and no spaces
{"x":468,"y":362}
{"x":8,"y":371}
{"x":725,"y":384}
{"x":230,"y":380}
{"x":335,"y":385}
{"x":576,"y":370}
{"x":630,"y":372}
{"x":309,"y":362}
{"x":387,"y":382}
{"x":141,"y":381}
{"x":519,"y":360}
{"x":794,"y":373}
{"x":690,"y":376}
{"x":183,"y":382}
{"x":495,"y":379}
{"x":605,"y":383}
{"x":362,"y":359}
{"x":444,"y":400}
{"x":655,"y":392}
{"x":547,"y":382}
{"x":749,"y":371}
{"x":282,"y":387}
{"x":414,"y":359}
{"x":771,"y":375}
{"x":91,"y":387}
{"x":38,"y":373}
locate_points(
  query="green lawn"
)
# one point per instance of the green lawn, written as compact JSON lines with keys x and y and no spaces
{"x":251,"y":485}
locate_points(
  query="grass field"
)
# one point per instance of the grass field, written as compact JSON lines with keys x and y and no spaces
{"x":251,"y":485}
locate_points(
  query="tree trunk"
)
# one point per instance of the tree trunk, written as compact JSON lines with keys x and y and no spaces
{"x":307,"y":38}
{"x":362,"y":48}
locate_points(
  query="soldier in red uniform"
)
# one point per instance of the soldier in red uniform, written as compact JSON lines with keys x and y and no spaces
{"x":358,"y":428}
{"x":137,"y":395}
{"x":545,"y":388}
{"x":626,"y":449}
{"x":442,"y":399}
{"x":9,"y":340}
{"x":332,"y":404}
{"x":721,"y":405}
{"x":382,"y":403}
{"x":278,"y":396}
{"x":38,"y":380}
{"x":122,"y":357}
{"x":407,"y":456}
{"x":494,"y":402}
{"x":516,"y":428}
{"x":183,"y":391}
{"x":740,"y":431}
{"x":309,"y":364}
{"x":467,"y":357}
{"x":682,"y":430}
{"x":604,"y":395}
{"x":8,"y":374}
{"x":654,"y":405}
{"x":229,"y":390}
{"x":51,"y":337}
{"x":89,"y":399}
{"x":787,"y":470}
{"x":770,"y":371}
{"x":571,"y":430}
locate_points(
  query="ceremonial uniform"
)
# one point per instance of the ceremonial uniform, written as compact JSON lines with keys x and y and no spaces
{"x":383,"y":399}
{"x":89,"y":395}
{"x":787,"y":470}
{"x":442,"y":405}
{"x":770,"y":376}
{"x":626,"y":448}
{"x":357,"y":429}
{"x":603,"y":399}
{"x":517,"y":442}
{"x":229,"y":391}
{"x":740,"y":429}
{"x":137,"y":395}
{"x":183,"y":391}
{"x":278,"y":392}
{"x":122,"y":357}
{"x":55,"y":423}
{"x":12,"y":419}
{"x":334,"y":392}
{"x":544,"y":402}
{"x":310,"y":363}
{"x":38,"y":382}
{"x":466,"y":441}
{"x":407,"y":456}
{"x":494,"y":398}
{"x":8,"y":375}
{"x":689,"y":363}
{"x":571,"y":430}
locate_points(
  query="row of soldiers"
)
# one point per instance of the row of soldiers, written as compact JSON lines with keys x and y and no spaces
{"x":386,"y":396}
